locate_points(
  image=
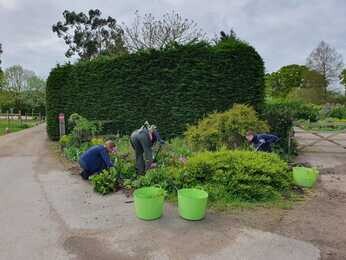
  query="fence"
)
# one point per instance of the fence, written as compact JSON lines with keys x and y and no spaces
{"x":19,"y":118}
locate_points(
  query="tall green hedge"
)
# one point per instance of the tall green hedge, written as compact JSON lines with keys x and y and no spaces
{"x":170,"y":88}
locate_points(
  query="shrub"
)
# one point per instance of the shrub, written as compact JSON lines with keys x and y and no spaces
{"x":338,"y":112}
{"x":170,"y":87}
{"x":297,"y":109}
{"x":225,"y":129}
{"x":237,"y":175}
{"x":83,"y":130}
{"x":280,"y":119}
{"x":106,"y":181}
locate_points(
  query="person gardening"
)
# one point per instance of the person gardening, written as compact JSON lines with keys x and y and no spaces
{"x":142,"y":141}
{"x":96,"y":159}
{"x":261,"y":142}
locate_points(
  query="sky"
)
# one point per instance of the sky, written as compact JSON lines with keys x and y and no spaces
{"x":282,"y":31}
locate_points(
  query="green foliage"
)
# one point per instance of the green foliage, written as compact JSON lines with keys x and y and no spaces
{"x":66,"y":141}
{"x":326,"y":124}
{"x":81,"y":137}
{"x":170,"y":87}
{"x":161,"y":177}
{"x":343,"y":77}
{"x":89,"y":35}
{"x":23,"y":91}
{"x":106,"y":181}
{"x":338,"y":112}
{"x":83,"y":130}
{"x":225,"y":129}
{"x":285,"y":80}
{"x":296,"y":81}
{"x":240,"y":175}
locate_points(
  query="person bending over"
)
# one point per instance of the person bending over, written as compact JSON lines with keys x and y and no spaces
{"x":261,"y":142}
{"x":96,"y":159}
{"x":142,"y":141}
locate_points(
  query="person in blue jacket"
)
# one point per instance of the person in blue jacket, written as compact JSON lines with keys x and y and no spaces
{"x":262,"y":142}
{"x":96,"y":159}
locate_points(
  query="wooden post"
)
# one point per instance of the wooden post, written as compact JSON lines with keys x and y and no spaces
{"x":8,"y":119}
{"x":289,"y":145}
{"x":20,"y":117}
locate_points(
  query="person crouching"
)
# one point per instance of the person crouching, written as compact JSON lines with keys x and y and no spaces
{"x":96,"y":159}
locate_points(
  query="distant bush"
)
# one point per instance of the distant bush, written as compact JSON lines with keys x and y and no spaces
{"x":338,"y":112}
{"x":225,"y":129}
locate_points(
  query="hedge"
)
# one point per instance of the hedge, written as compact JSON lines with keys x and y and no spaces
{"x":171,"y":88}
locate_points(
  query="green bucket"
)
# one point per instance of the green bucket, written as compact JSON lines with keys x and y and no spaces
{"x":149,"y":202}
{"x":192,"y":203}
{"x":305,"y":177}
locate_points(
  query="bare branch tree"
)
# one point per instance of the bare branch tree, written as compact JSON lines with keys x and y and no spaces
{"x":326,"y":61}
{"x":149,"y":32}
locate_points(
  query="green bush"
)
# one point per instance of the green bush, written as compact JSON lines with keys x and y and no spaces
{"x":170,"y":88}
{"x":83,"y":130}
{"x":225,"y":129}
{"x":280,"y":119}
{"x":106,"y":181}
{"x":298,"y":110}
{"x":338,"y":112}
{"x":237,"y":175}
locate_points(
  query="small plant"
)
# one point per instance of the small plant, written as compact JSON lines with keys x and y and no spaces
{"x":83,"y":130}
{"x":106,"y":181}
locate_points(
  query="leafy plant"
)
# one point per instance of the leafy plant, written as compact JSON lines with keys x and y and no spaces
{"x":83,"y":130}
{"x":338,"y":112}
{"x":237,"y":175}
{"x":225,"y":129}
{"x":106,"y":181}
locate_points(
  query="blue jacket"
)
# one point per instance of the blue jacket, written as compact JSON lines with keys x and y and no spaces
{"x":264,"y":140}
{"x":95,"y":159}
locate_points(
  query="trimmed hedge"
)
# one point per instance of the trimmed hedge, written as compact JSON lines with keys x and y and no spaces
{"x":170,"y":88}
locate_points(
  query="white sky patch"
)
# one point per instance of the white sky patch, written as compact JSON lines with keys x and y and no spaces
{"x":8,"y":4}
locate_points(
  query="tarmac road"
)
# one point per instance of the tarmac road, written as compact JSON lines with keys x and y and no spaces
{"x":46,"y":213}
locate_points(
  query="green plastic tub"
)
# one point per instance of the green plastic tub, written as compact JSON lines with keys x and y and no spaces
{"x":305,"y":177}
{"x":192,"y":203}
{"x":149,"y":202}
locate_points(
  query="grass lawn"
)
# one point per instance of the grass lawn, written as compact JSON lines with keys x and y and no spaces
{"x":14,"y":125}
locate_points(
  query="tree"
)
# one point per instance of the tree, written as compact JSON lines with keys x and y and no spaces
{"x":34,"y":95}
{"x":89,"y":35}
{"x":0,"y":51}
{"x":15,"y":83}
{"x":293,"y":79}
{"x":326,"y":61}
{"x":2,"y":76}
{"x":285,"y":79}
{"x":149,"y":32}
{"x":231,"y":35}
{"x":343,"y":77}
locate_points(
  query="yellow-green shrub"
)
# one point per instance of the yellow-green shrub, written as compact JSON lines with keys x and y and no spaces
{"x":225,"y":129}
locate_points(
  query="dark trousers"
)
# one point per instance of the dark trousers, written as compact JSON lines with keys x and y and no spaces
{"x":140,"y":163}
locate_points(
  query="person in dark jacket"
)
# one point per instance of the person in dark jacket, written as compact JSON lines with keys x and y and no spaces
{"x":142,"y":141}
{"x":96,"y":159}
{"x":262,"y":142}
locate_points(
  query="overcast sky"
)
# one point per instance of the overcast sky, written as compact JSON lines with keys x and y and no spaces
{"x":282,"y":31}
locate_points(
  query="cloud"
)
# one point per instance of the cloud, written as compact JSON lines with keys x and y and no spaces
{"x":283,"y":32}
{"x":8,"y":4}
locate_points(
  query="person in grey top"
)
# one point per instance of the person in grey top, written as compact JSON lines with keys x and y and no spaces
{"x":142,"y":141}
